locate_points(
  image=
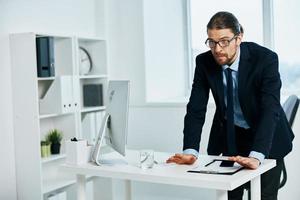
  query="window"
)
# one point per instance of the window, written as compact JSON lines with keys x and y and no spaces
{"x":165,"y":50}
{"x":286,"y":30}
{"x":249,"y":14}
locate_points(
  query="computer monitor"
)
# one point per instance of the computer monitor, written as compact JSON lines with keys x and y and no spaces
{"x":115,"y":122}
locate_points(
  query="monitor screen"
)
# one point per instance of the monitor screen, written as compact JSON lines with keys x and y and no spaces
{"x":115,"y":122}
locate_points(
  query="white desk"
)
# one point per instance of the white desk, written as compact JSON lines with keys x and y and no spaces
{"x":168,"y":174}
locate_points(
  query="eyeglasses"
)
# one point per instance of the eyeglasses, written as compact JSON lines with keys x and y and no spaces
{"x":222,"y":43}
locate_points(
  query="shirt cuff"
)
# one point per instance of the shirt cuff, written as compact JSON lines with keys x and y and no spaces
{"x":259,"y":156}
{"x":191,"y":151}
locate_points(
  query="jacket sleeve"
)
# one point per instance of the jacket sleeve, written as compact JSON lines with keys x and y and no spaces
{"x":196,"y":108}
{"x":269,"y":105}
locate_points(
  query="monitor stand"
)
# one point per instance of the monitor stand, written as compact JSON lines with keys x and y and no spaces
{"x":96,"y":154}
{"x":101,"y":135}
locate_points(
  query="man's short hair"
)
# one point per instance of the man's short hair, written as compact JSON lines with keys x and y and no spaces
{"x":223,"y":20}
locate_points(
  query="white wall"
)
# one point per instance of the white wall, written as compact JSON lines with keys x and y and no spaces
{"x":124,"y":20}
{"x":53,"y":16}
{"x":7,"y":172}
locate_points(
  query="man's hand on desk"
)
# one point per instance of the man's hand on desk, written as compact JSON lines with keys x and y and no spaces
{"x":182,"y":159}
{"x":248,"y":162}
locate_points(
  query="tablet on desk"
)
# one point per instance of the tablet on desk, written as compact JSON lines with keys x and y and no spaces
{"x":218,"y":166}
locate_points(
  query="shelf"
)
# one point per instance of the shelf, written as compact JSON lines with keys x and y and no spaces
{"x":52,"y":185}
{"x":93,"y":76}
{"x":52,"y":78}
{"x":45,"y":116}
{"x":90,"y":39}
{"x":53,"y":158}
{"x":93,"y":109}
{"x":48,"y":116}
{"x":38,"y":35}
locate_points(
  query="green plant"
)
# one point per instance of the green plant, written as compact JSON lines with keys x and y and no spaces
{"x":54,"y":136}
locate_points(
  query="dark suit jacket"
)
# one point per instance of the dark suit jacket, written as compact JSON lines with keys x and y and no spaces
{"x":259,"y":95}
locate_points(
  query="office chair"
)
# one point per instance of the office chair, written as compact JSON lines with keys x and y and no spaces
{"x":290,"y":107}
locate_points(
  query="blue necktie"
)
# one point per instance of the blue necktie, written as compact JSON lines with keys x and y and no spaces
{"x":231,"y":144}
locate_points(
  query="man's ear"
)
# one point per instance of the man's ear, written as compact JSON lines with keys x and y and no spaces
{"x":239,"y":38}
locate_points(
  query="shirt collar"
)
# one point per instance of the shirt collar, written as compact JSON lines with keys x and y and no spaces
{"x":235,"y":65}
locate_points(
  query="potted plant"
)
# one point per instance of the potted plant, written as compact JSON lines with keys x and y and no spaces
{"x":54,"y":136}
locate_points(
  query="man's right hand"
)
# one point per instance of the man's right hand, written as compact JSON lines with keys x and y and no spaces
{"x":182,"y":159}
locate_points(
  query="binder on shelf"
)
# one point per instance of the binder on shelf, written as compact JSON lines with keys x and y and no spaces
{"x":91,"y":123}
{"x":59,"y":99}
{"x":45,"y":56}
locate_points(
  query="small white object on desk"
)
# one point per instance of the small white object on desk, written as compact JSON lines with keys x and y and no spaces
{"x":78,"y":152}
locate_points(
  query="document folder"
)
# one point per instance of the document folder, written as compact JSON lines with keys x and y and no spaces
{"x":216,"y":167}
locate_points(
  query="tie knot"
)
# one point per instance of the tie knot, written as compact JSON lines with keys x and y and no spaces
{"x":229,"y":72}
{"x":229,"y":69}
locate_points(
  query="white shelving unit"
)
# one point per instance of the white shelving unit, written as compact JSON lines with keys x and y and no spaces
{"x":94,"y":109}
{"x":92,"y":76}
{"x":53,"y":158}
{"x":39,"y":177}
{"x":46,"y":79}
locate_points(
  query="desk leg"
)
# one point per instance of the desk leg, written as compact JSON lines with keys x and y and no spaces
{"x":222,"y":195}
{"x":127,"y":190}
{"x":81,"y":184}
{"x":255,"y":188}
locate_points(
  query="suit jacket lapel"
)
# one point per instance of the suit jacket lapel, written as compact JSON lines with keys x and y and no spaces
{"x":217,"y":73}
{"x":220,"y":87}
{"x":243,"y":72}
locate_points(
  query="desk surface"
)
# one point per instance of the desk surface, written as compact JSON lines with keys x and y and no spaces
{"x":167,"y":173}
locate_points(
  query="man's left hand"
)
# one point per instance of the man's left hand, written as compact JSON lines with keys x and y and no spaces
{"x":248,"y":162}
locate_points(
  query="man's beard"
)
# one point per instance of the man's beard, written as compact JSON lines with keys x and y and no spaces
{"x":222,"y":58}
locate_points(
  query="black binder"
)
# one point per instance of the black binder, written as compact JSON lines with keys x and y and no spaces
{"x":45,"y":56}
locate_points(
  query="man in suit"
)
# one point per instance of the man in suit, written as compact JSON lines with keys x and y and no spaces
{"x":249,"y":124}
